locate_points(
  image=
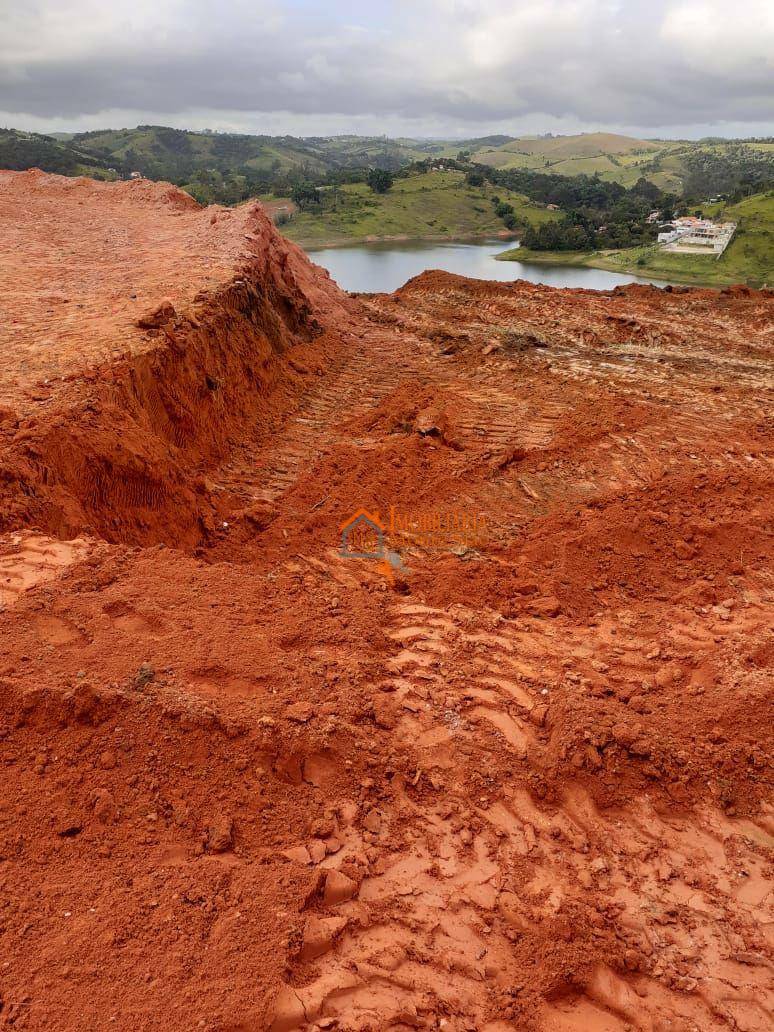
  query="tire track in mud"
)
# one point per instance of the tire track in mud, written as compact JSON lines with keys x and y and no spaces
{"x":355,"y":381}
{"x":465,"y":881}
{"x":454,"y":889}
{"x":27,"y":559}
{"x":457,"y":899}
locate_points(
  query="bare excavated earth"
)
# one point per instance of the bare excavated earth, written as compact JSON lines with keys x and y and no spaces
{"x":519,"y":782}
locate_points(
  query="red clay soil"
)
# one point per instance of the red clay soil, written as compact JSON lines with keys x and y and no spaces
{"x":513,"y":774}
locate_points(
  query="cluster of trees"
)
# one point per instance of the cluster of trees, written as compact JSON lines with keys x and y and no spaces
{"x":596,"y":213}
{"x":211,"y":186}
{"x":306,"y":196}
{"x":566,"y":192}
{"x":324,"y":195}
{"x":308,"y":190}
{"x":733,"y":171}
{"x":604,"y":219}
{"x":506,"y":212}
{"x":565,"y":235}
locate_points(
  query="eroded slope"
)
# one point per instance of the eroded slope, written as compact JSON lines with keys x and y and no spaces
{"x":143,"y":335}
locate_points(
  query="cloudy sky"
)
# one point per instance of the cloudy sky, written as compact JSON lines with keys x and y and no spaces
{"x":414,"y":67}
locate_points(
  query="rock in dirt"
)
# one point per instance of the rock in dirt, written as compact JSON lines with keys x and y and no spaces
{"x":220,"y":835}
{"x":105,"y":809}
{"x":159,"y":316}
{"x":288,"y":1011}
{"x":319,"y":934}
{"x":338,"y":888}
{"x":300,"y":712}
{"x":144,"y":675}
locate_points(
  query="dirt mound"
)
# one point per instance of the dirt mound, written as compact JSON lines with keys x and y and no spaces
{"x":508,"y":767}
{"x":176,"y":329}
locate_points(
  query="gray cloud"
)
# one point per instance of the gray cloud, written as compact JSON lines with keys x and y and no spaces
{"x":436,"y":65}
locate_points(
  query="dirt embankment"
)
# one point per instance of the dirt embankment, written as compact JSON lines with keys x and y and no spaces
{"x":247,"y":783}
{"x":119,"y":396}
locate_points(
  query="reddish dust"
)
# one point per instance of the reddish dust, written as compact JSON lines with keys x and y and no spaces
{"x":248,"y":783}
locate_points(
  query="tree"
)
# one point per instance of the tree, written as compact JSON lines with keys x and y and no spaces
{"x":379,"y":180}
{"x":474,"y":179}
{"x":305,"y":195}
{"x":644,"y":188}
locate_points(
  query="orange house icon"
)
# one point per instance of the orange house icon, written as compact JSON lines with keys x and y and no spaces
{"x":362,"y":536}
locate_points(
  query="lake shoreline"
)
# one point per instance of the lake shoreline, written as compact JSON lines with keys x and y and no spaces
{"x":385,"y":266}
{"x":599,"y":260}
{"x":437,"y":238}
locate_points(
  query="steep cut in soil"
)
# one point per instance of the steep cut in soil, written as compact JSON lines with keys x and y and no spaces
{"x":163,"y":335}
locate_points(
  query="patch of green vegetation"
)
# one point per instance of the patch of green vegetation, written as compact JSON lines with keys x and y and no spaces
{"x":749,"y":258}
{"x":699,"y":168}
{"x":432,"y":204}
{"x":21,"y":150}
{"x":614,"y":157}
{"x":177,"y":155}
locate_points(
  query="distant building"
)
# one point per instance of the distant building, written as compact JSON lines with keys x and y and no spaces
{"x":694,"y":232}
{"x":552,"y":207}
{"x":653,"y":217}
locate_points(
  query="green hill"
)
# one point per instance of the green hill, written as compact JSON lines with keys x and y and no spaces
{"x":21,"y":150}
{"x":699,"y":168}
{"x":176,"y":154}
{"x":620,"y":159}
{"x":584,"y":145}
{"x":159,"y":152}
{"x":432,"y":204}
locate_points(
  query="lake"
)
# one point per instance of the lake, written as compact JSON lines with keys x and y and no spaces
{"x":383,"y":267}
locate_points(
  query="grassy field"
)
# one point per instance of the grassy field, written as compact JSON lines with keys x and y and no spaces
{"x":749,"y":258}
{"x":620,"y":159}
{"x":431,"y":205}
